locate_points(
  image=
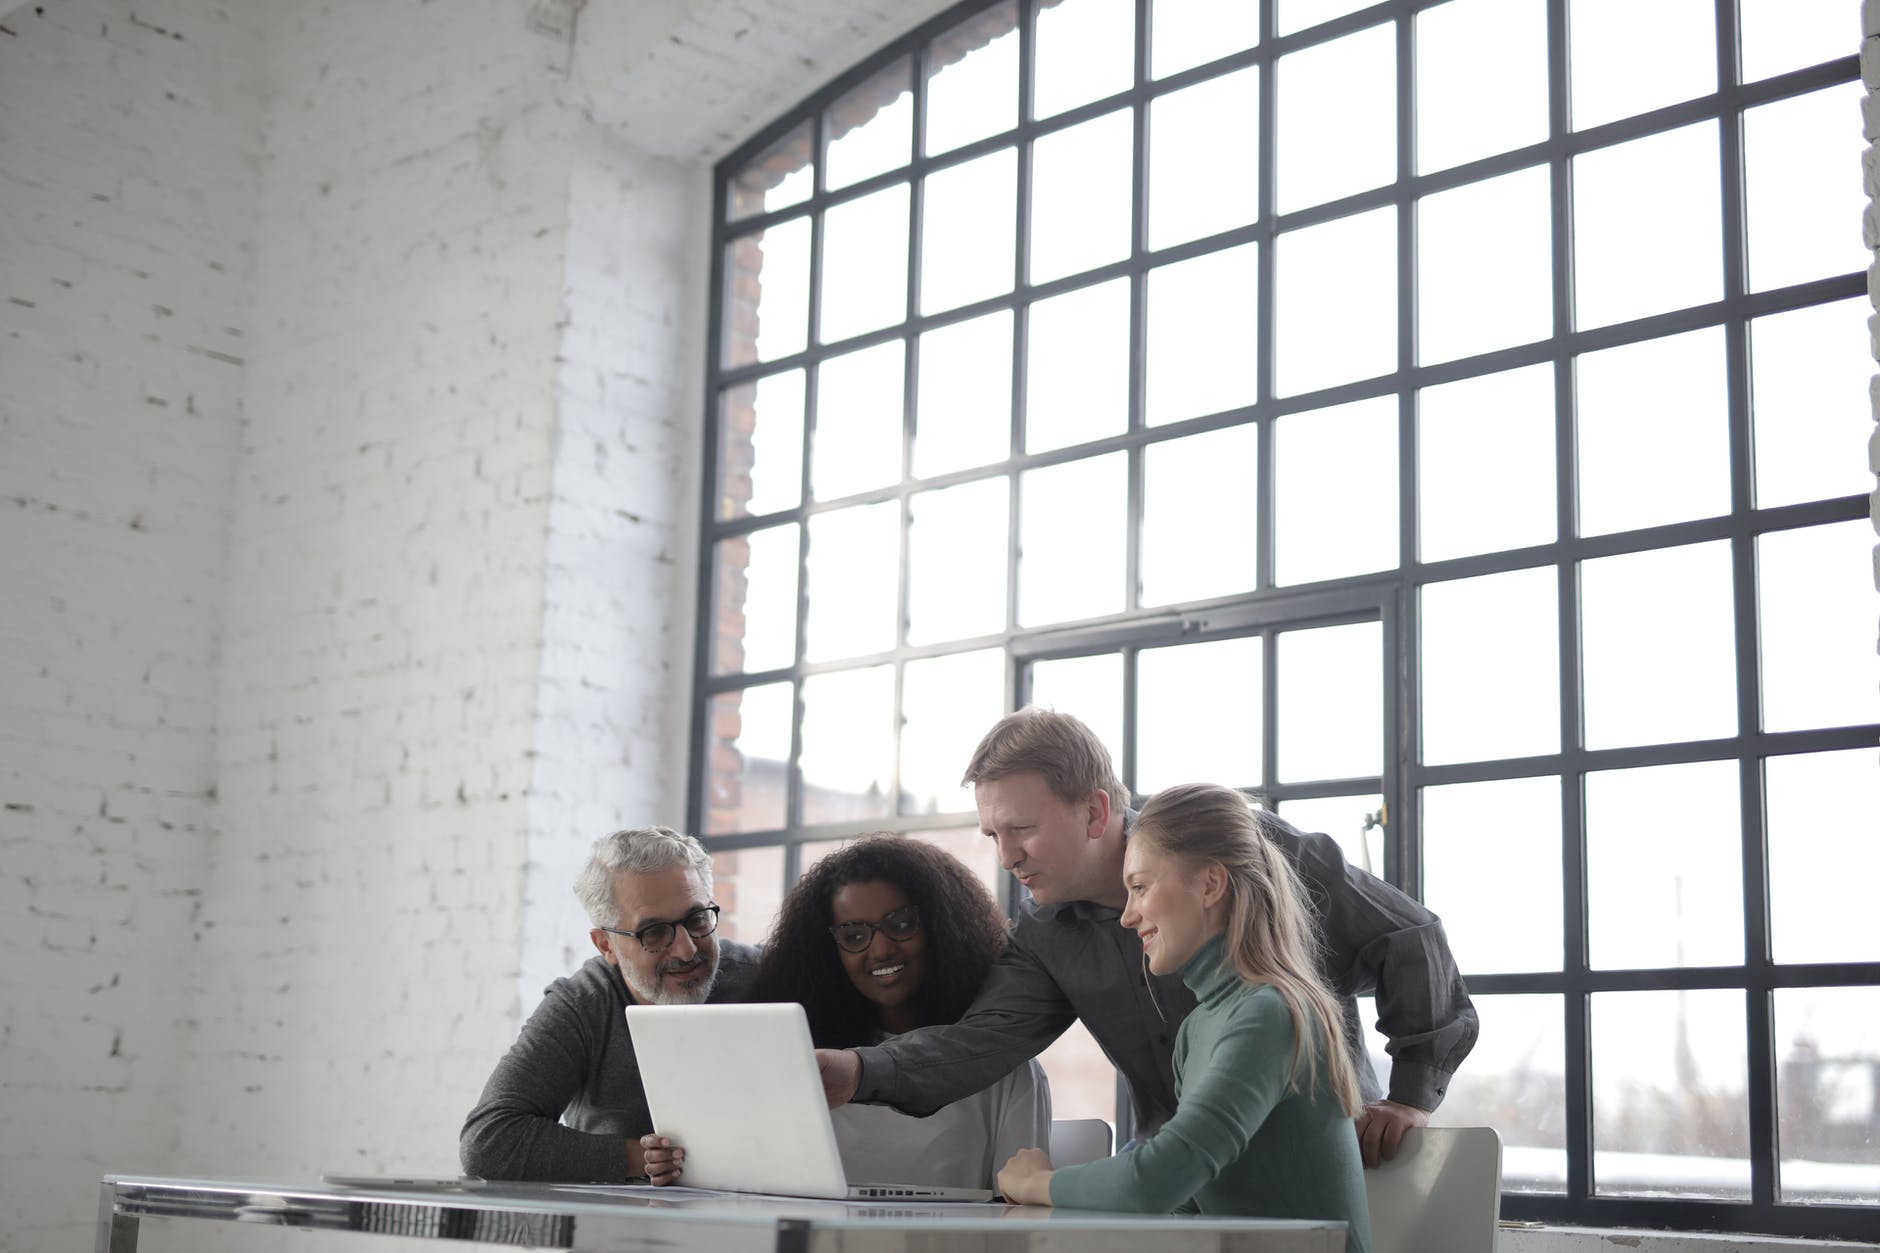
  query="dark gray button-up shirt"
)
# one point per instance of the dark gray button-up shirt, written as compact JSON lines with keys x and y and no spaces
{"x":1075,"y":961}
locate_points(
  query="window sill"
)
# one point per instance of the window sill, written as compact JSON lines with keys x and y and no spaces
{"x":1541,"y":1239}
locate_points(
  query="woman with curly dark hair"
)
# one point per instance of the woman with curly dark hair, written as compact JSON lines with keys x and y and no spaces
{"x":879,"y":937}
{"x":922,"y":965}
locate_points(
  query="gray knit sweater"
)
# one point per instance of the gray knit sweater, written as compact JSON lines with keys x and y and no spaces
{"x":563,"y":1101}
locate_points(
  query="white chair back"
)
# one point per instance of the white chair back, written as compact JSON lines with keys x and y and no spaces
{"x":1078,"y":1140}
{"x":1440,"y":1194}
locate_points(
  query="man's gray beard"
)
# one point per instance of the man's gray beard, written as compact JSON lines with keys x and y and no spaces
{"x":657,"y":993}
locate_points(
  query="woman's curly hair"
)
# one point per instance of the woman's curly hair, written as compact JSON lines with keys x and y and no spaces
{"x":963,"y":927}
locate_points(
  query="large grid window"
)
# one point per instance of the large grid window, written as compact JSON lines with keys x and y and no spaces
{"x":1446,"y":418}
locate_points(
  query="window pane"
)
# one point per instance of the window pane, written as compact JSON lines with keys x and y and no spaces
{"x":1827,"y":1092}
{"x":854,"y":556}
{"x":1088,"y":688}
{"x":1080,"y":196}
{"x":956,"y":561}
{"x":1811,"y":412}
{"x":970,"y":847}
{"x":1654,"y":433}
{"x":1647,"y":226}
{"x":1201,"y":335}
{"x":1491,"y":667}
{"x":812,"y":851}
{"x":1198,"y":714}
{"x":747,"y":758}
{"x":1628,"y":58}
{"x":766,"y":297}
{"x":1330,"y":702}
{"x":776,"y":179}
{"x":1471,"y":51}
{"x":1186,"y":33}
{"x":1516,"y":1083}
{"x":1665,"y":843}
{"x":1335,"y":501}
{"x":947,"y":703}
{"x":967,"y":224}
{"x":1823,"y":862}
{"x":760,"y":443}
{"x":1336,"y":298}
{"x":1485,"y":254}
{"x":1070,"y":539}
{"x":1077,"y":366}
{"x":1658,"y":646}
{"x":964,"y":395}
{"x":848,"y":744}
{"x":1471,"y":869}
{"x":1337,"y":97}
{"x":972,"y":83}
{"x":1198,"y":516}
{"x":1203,"y":144}
{"x":864,"y":265}
{"x":1816,"y":605}
{"x":1297,"y":15}
{"x":1782,"y":35}
{"x":756,"y":610}
{"x":1085,"y":50}
{"x":1485,"y":464}
{"x":1351,"y":820}
{"x":1670,"y":1104}
{"x":1799,"y":195}
{"x":870,"y":129}
{"x":856,"y":443}
{"x":748,"y":886}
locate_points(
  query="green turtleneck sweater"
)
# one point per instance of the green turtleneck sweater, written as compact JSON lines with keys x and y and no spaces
{"x":1241,"y":1142}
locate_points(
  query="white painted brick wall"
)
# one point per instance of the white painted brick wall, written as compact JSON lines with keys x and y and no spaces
{"x":128,"y":176}
{"x":1870,"y":114}
{"x":384,"y":620}
{"x":621,"y":555}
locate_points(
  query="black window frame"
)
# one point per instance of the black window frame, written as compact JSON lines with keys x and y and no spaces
{"x":1391,"y":595}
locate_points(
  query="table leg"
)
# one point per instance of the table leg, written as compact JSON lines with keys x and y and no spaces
{"x":117,"y":1233}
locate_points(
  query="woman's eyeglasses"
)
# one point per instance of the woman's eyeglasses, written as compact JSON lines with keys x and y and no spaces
{"x":855,"y":937}
{"x":655,"y":937}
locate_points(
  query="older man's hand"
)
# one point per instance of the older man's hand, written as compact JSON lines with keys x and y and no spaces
{"x":841,"y":1075}
{"x":665,"y":1160}
{"x":1381,"y":1125}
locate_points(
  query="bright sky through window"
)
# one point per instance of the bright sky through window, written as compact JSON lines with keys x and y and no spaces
{"x":1485,"y":487}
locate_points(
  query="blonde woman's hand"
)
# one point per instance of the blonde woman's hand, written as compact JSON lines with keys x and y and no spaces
{"x":664,"y":1160}
{"x":1025,"y":1179}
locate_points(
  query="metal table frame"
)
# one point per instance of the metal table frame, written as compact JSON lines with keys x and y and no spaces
{"x":647,"y":1220}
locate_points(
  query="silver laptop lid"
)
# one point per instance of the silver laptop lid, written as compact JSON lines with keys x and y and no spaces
{"x":737,"y":1087}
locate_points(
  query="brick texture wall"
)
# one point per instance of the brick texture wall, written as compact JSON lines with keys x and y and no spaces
{"x":1870,"y":116}
{"x":384,"y":619}
{"x":130,"y":142}
{"x":611,"y":725}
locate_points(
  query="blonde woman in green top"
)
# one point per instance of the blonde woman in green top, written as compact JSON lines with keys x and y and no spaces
{"x":1265,"y":1088}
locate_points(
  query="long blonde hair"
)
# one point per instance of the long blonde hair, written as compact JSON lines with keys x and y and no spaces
{"x":1272,"y":936}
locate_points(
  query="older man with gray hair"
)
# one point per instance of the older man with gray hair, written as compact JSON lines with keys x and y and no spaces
{"x":566,"y":1103}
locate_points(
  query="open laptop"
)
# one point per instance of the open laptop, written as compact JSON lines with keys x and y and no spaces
{"x":737,"y":1087}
